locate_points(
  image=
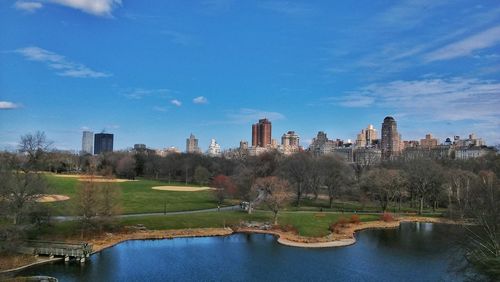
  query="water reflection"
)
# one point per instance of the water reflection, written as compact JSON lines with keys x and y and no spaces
{"x":412,"y":252}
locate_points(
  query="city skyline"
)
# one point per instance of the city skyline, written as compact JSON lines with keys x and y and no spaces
{"x":215,"y":67}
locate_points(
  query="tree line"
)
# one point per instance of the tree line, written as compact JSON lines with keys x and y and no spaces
{"x":465,"y":190}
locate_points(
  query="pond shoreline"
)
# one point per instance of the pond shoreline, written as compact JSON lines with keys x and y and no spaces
{"x":345,"y":237}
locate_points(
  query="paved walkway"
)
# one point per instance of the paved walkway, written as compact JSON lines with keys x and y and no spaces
{"x":229,"y":208}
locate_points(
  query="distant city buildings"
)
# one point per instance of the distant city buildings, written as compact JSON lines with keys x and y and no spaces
{"x":367,"y":138}
{"x":192,"y":145}
{"x":103,"y":143}
{"x":213,"y":149}
{"x":167,"y":151}
{"x":368,"y":148}
{"x":428,"y":142}
{"x":390,"y":140}
{"x":290,"y":143}
{"x":140,"y":147}
{"x":87,"y":142}
{"x":261,"y":133}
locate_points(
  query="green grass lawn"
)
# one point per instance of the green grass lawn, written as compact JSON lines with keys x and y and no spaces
{"x":135,"y":196}
{"x":314,"y":224}
{"x":307,"y":223}
{"x":349,"y":206}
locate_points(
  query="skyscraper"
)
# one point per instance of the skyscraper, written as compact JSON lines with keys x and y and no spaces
{"x":103,"y":142}
{"x":87,"y":142}
{"x":261,"y":133}
{"x":192,"y":145}
{"x":367,"y":137}
{"x":390,"y":143}
{"x":213,"y":149}
{"x":290,"y":139}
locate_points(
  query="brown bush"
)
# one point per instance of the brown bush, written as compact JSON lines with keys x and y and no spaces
{"x":355,"y":219}
{"x":387,"y":217}
{"x":288,"y":228}
{"x":337,"y":226}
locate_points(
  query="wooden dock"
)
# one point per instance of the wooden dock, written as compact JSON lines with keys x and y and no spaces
{"x":78,"y":251}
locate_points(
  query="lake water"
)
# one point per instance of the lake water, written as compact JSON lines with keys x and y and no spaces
{"x":413,"y":252}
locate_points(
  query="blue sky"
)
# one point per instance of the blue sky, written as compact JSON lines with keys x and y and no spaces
{"x":155,"y":71}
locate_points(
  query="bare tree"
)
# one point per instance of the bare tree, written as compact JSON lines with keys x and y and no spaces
{"x":201,"y":175}
{"x":275,"y":193}
{"x":296,"y":168}
{"x":34,"y":146}
{"x":335,"y":175}
{"x":19,"y":192}
{"x":424,"y":178}
{"x":483,"y":242}
{"x":382,"y":185}
{"x":125,"y":167}
{"x":87,"y":205}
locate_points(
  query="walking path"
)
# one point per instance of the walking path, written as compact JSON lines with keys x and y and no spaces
{"x":229,"y":208}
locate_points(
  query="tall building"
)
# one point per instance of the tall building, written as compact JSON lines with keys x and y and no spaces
{"x":371,"y":135}
{"x":87,"y":142}
{"x":367,"y":137}
{"x":390,"y":143}
{"x":261,"y":133}
{"x":192,"y":145}
{"x":103,"y":142}
{"x":428,"y":142}
{"x":213,"y":149}
{"x":243,"y":145}
{"x":290,"y":139}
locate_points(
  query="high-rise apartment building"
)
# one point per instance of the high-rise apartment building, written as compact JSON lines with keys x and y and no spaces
{"x":88,"y":142}
{"x":367,"y":137}
{"x":103,"y":142}
{"x":214,"y":149}
{"x":192,"y":145}
{"x":390,"y":143}
{"x":428,"y":142}
{"x":261,"y":133}
{"x":290,"y":139}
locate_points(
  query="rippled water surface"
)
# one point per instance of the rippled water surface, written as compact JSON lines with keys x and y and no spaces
{"x":413,"y":252}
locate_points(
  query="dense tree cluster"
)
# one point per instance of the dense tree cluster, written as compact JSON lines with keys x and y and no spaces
{"x":466,"y":190}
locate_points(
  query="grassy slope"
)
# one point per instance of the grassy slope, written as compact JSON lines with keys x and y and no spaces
{"x":306,"y":223}
{"x":136,"y":197}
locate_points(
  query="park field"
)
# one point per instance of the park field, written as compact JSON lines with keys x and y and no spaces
{"x":310,"y":224}
{"x":135,"y":196}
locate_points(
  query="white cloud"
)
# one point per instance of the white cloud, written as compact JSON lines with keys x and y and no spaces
{"x":159,"y":109}
{"x":467,"y":46}
{"x":139,"y":93}
{"x":200,"y":100}
{"x":28,"y":6}
{"x":94,"y":7}
{"x":452,"y":99}
{"x":5,"y":105}
{"x":176,"y":102}
{"x":251,"y":115}
{"x":57,"y":62}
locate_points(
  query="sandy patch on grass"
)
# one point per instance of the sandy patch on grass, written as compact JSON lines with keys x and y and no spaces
{"x":181,"y":188}
{"x":52,"y":198}
{"x":94,"y":178}
{"x":67,"y":175}
{"x":105,"y":180}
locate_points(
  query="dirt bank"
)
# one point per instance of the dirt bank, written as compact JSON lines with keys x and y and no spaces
{"x":344,"y":237}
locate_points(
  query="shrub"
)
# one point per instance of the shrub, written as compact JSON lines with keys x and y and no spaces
{"x":288,"y":228}
{"x":387,"y":217}
{"x":336,"y":226}
{"x":355,"y":219}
